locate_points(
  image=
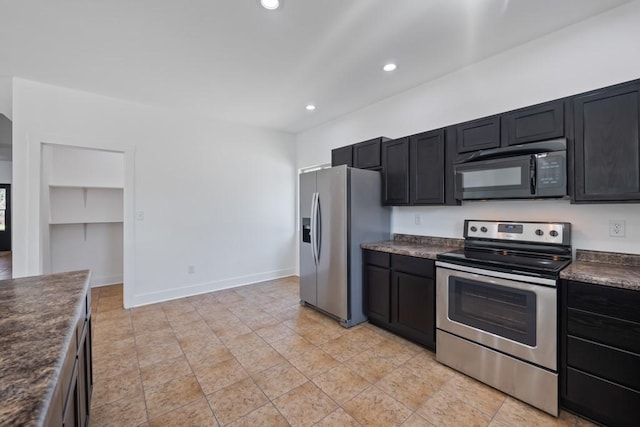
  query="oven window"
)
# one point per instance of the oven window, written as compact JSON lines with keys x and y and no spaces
{"x":500,"y":310}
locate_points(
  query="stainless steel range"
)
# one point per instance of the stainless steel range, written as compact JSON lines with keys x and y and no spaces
{"x":496,"y":310}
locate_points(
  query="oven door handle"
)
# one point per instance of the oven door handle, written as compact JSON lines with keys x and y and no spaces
{"x":491,"y":273}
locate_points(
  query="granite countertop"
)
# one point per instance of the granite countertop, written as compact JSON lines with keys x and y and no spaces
{"x":417,"y":246}
{"x":605,"y":268}
{"x":38,"y":316}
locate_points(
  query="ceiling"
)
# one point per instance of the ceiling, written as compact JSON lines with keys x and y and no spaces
{"x":235,"y":61}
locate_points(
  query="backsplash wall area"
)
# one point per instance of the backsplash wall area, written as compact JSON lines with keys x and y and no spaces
{"x":589,"y":223}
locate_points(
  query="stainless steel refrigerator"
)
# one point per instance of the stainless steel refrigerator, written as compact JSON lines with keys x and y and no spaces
{"x":340,"y":208}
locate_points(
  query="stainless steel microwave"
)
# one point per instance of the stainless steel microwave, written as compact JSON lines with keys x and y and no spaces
{"x":528,"y":171}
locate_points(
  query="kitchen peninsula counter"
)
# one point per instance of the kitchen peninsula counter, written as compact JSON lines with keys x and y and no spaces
{"x":605,"y":268}
{"x":39,"y":318}
{"x":416,"y":246}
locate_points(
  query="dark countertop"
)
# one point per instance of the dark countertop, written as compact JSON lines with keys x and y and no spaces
{"x":605,"y":268}
{"x":38,"y":317}
{"x":417,"y":246}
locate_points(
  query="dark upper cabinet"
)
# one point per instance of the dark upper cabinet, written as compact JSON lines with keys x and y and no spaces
{"x":478,"y":134}
{"x":531,"y":124}
{"x":342,"y":156}
{"x":395,"y":172}
{"x":366,"y":155}
{"x":607,"y":144}
{"x":426,"y":169}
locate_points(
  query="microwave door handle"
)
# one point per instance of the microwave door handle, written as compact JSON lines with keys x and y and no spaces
{"x":532,"y":174}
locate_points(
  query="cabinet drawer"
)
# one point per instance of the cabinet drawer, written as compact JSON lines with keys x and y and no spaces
{"x":602,"y":400}
{"x":620,"y":303}
{"x":607,"y":330}
{"x":381,"y":259}
{"x":619,"y":366}
{"x":412,"y":265}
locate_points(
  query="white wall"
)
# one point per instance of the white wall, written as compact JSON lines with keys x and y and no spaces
{"x":214,"y":195}
{"x":601,"y":51}
{"x":5,"y":96}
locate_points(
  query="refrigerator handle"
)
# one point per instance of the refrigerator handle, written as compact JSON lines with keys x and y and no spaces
{"x":314,"y":201}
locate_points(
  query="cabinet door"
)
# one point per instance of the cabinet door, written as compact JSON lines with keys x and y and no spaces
{"x":366,"y":155}
{"x":395,"y":172}
{"x":607,"y":144}
{"x":377,"y":288}
{"x":342,"y":156}
{"x":427,"y":168}
{"x":478,"y":134}
{"x":537,"y":123}
{"x":413,"y":308}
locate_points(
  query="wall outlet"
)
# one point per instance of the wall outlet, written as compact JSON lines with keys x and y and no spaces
{"x":191,"y":269}
{"x":418,"y":219}
{"x":617,"y":228}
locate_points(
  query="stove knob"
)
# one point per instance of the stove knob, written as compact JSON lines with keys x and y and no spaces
{"x":539,"y":232}
{"x":553,"y":233}
{"x":483,"y":229}
{"x":474,"y":228}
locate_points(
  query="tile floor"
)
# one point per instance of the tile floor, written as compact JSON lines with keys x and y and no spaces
{"x":251,"y":356}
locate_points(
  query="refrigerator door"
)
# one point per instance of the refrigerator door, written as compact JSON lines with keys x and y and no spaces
{"x":332,"y":249}
{"x":307,"y":263}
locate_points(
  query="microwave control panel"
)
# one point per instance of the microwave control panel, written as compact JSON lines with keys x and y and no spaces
{"x":550,"y":171}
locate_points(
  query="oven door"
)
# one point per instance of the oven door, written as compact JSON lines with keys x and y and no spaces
{"x":510,"y":316}
{"x":506,"y":178}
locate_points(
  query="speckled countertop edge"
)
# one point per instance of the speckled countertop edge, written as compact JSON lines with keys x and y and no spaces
{"x":24,"y":303}
{"x":612,"y":269}
{"x":416,"y":246}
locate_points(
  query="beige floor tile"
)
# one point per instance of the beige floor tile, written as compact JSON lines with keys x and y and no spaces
{"x":176,"y":319}
{"x":146,"y":325}
{"x":513,"y":412}
{"x":126,"y":385}
{"x":114,"y":349}
{"x":110,"y":291}
{"x":196,"y":414}
{"x":260,"y":359}
{"x":199,"y":343}
{"x":474,"y":393}
{"x":236,"y":400}
{"x":274,"y":333}
{"x":111,"y":367}
{"x":151,"y":353}
{"x":164,"y":371}
{"x":342,"y":348}
{"x":406,"y":387}
{"x":444,"y":409}
{"x":228,"y":331}
{"x":279,"y":380}
{"x":265,"y":416}
{"x":292,"y":345}
{"x":195,"y":327}
{"x":211,"y":356}
{"x":245,"y":343}
{"x":213,"y":377}
{"x":172,"y":395}
{"x":109,"y":303}
{"x":122,"y":316}
{"x":305,"y":405}
{"x":313,"y":362}
{"x":107,"y":331}
{"x":370,"y":365}
{"x":260,"y":321}
{"x":425,"y":366}
{"x":129,"y":411}
{"x":416,"y":420}
{"x":375,"y":407}
{"x":341,"y":383}
{"x":338,"y":418}
{"x":396,"y":351}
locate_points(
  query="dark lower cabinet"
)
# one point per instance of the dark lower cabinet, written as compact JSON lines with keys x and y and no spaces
{"x":400,"y":295}
{"x":607,"y":144}
{"x":600,"y":353}
{"x":71,"y":401}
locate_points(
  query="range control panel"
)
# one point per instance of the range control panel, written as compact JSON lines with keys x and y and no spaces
{"x":535,"y":232}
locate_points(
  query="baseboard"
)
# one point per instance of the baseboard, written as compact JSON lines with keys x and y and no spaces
{"x":203,"y":288}
{"x":99,"y":281}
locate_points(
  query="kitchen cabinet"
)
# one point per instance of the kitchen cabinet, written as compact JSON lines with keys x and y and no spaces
{"x":395,"y":172}
{"x":426,"y":169}
{"x":342,"y":156}
{"x":536,"y":123}
{"x":400,"y":295}
{"x":607,"y":144}
{"x":480,"y":134}
{"x":600,"y":352}
{"x":366,"y":154}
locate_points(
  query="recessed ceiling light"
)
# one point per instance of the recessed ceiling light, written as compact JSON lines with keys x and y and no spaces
{"x":389,"y":67}
{"x":310,"y":107}
{"x":270,"y":4}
